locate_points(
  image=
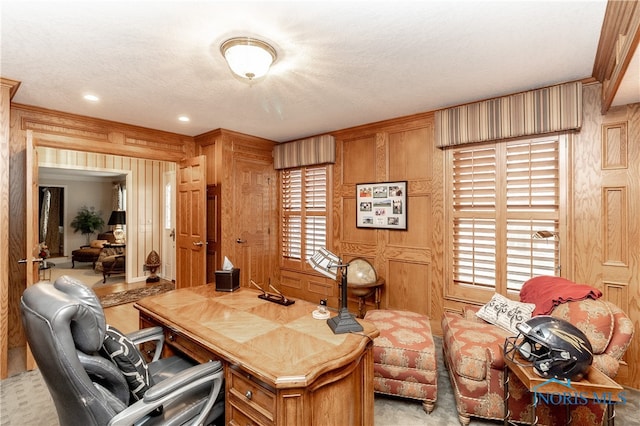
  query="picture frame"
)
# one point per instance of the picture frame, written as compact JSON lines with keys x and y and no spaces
{"x":381,"y":205}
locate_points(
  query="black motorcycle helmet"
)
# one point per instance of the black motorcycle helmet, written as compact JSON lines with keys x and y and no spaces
{"x":553,"y":346}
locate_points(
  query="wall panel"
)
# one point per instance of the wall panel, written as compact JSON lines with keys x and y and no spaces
{"x":362,"y":161}
{"x":409,"y":157}
{"x":410,"y":288}
{"x":396,"y":150}
{"x":606,"y":222}
{"x":615,"y":226}
{"x":614,"y":145}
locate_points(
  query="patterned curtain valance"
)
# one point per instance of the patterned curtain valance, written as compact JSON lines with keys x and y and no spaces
{"x":305,"y":152}
{"x":551,"y":109}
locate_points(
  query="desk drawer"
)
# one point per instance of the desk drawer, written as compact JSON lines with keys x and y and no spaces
{"x":250,"y":397}
{"x":188,"y":346}
{"x":237,"y":417}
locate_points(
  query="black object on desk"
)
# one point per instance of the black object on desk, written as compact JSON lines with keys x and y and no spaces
{"x":228,"y":280}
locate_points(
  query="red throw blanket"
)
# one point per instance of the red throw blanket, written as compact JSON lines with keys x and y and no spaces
{"x":548,"y":292}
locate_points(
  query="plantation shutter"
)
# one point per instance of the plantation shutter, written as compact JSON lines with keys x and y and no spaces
{"x":291,"y":192}
{"x":533,"y":201}
{"x":474,"y":225}
{"x":315,"y":209}
{"x":304,"y":211}
{"x":528,"y":174}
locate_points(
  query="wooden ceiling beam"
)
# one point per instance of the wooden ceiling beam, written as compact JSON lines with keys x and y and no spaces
{"x":619,"y":40}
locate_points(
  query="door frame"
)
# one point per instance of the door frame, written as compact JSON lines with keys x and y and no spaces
{"x":169,"y":243}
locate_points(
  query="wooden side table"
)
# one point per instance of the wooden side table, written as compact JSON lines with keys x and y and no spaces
{"x":362,"y":291}
{"x":595,"y":385}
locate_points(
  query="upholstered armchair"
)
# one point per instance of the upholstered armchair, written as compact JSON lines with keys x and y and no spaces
{"x":97,"y":376}
{"x":473,"y":353}
{"x":111,"y":261}
{"x":91,"y":251}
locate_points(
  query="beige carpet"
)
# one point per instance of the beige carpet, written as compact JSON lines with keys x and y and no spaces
{"x":83,"y":271}
{"x":25,"y":400}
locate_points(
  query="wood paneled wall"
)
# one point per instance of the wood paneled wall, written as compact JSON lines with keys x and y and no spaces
{"x":141,"y":152}
{"x":228,"y":155}
{"x":605,"y":229}
{"x":397,"y":150}
{"x":7,"y":89}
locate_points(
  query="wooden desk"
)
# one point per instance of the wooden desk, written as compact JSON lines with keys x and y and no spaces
{"x":594,"y":384}
{"x":282,"y":367}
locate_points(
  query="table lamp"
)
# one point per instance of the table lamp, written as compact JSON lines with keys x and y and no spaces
{"x":327,"y":264}
{"x":117,"y":219}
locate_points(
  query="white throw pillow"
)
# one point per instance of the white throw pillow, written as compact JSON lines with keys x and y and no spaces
{"x":506,"y":313}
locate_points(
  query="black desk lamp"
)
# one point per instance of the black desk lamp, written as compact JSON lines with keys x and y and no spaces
{"x":327,"y":264}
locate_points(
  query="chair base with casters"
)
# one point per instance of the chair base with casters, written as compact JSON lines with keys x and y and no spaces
{"x":93,"y":383}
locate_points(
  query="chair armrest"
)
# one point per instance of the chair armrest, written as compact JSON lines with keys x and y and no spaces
{"x":495,"y":356}
{"x":607,"y":364}
{"x":209,"y":371}
{"x":177,"y":387}
{"x":623,"y":331}
{"x":149,"y":334}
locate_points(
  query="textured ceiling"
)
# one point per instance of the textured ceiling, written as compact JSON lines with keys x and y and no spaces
{"x":340,"y":64}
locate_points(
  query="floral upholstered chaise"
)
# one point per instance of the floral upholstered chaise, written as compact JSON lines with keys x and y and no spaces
{"x":473,"y":350}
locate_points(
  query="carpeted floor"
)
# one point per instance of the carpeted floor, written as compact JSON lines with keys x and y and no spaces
{"x":25,"y":401}
{"x":83,"y":271}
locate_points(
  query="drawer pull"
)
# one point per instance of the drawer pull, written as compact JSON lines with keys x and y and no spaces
{"x":249,"y":395}
{"x":172,"y":337}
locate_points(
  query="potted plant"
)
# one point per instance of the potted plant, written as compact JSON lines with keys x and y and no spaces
{"x":87,"y":221}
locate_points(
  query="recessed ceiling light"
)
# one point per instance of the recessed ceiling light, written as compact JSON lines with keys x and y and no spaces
{"x":91,"y":98}
{"x":184,"y":118}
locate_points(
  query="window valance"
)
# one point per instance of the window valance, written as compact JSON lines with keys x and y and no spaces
{"x":305,"y":152}
{"x":536,"y":112}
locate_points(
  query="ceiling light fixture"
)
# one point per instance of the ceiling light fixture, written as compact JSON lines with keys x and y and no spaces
{"x":247,"y":57}
{"x":91,"y":98}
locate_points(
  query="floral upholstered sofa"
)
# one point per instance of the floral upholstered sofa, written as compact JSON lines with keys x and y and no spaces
{"x":473,"y":351}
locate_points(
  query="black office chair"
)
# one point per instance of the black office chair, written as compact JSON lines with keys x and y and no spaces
{"x":97,"y":376}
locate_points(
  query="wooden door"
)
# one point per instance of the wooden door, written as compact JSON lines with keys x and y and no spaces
{"x":254,"y":204}
{"x":191,"y":223}
{"x":31,"y":222}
